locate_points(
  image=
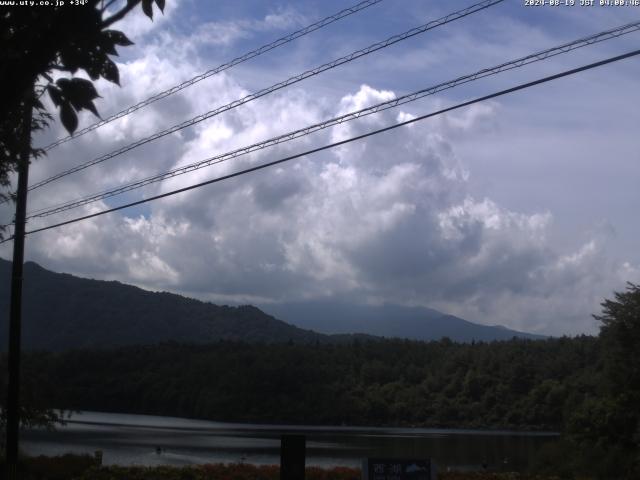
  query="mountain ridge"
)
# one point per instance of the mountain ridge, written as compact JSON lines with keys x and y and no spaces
{"x":388,"y":320}
{"x":62,"y":311}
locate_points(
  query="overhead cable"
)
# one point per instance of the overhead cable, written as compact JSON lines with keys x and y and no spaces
{"x":290,"y":81}
{"x":342,"y":142}
{"x":535,"y":57}
{"x":225,"y":66}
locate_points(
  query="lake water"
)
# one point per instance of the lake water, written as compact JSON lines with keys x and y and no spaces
{"x":134,"y":439}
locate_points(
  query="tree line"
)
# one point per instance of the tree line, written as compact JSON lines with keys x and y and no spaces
{"x":586,"y":387}
{"x":520,"y":384}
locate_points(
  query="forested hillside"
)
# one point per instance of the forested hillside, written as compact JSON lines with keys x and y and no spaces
{"x":62,"y":311}
{"x":515,"y":384}
{"x":585,"y":387}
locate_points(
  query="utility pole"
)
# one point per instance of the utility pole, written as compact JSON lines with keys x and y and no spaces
{"x":15,"y":315}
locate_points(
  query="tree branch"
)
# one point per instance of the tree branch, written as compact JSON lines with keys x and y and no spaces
{"x":59,"y":67}
{"x":104,"y":7}
{"x":119,"y":15}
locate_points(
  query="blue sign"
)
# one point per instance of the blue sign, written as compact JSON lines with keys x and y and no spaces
{"x":398,"y":469}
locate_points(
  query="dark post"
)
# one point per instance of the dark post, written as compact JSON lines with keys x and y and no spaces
{"x":15,"y":315}
{"x":292,"y":457}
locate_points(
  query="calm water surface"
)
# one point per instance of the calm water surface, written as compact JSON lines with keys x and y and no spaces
{"x":133,"y":440}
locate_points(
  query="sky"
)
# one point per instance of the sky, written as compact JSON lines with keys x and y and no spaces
{"x":519,"y":211}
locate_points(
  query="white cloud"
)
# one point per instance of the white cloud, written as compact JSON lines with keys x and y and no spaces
{"x":395,"y":218}
{"x":387,"y":219}
{"x":225,"y":33}
{"x":137,"y":25}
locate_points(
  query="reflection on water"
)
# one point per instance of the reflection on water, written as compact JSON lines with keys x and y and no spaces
{"x":135,"y":439}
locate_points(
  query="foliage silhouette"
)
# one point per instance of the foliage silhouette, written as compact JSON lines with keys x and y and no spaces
{"x":38,"y":43}
{"x":609,"y":420}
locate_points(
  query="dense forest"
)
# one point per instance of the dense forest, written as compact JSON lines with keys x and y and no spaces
{"x":586,"y":387}
{"x":517,"y":384}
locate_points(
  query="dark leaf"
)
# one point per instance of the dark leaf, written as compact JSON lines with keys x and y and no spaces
{"x":92,"y":62}
{"x":68,"y":63}
{"x":109,"y":47}
{"x":160,"y":4}
{"x":147,"y":8}
{"x":94,"y":71}
{"x":80,"y":93}
{"x":55,"y":95}
{"x":84,"y":87}
{"x":88,"y":57}
{"x":63,"y":83}
{"x":110,"y":72}
{"x":117,"y":38}
{"x":92,"y":108}
{"x":68,"y":117}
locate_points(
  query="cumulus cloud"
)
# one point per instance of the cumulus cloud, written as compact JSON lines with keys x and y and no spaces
{"x":225,"y":33}
{"x":137,"y":25}
{"x":385,"y":220}
{"x":393,"y":219}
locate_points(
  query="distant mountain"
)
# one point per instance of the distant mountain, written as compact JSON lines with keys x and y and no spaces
{"x":61,"y":311}
{"x":416,"y":323}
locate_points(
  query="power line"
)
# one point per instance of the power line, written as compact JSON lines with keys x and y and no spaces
{"x":225,"y":66}
{"x":290,"y":81}
{"x":342,"y":142}
{"x":535,"y":57}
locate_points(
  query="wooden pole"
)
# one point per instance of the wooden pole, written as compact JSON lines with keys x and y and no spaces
{"x":15,"y":315}
{"x":292,"y":457}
